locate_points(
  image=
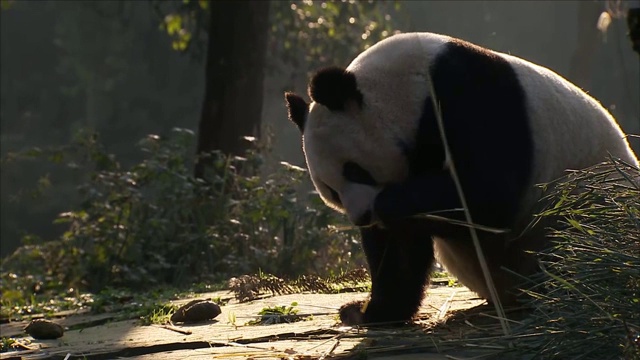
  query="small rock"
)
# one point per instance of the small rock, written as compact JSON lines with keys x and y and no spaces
{"x":195,"y":311}
{"x":42,"y":329}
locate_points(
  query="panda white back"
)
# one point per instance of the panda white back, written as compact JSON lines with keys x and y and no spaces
{"x":564,"y":118}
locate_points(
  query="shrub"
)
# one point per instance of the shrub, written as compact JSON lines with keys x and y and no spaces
{"x":154,"y":223}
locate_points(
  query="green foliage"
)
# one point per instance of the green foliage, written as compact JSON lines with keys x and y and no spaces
{"x":154,"y":224}
{"x":34,"y":291}
{"x":6,"y":4}
{"x":231,"y":317}
{"x":280,"y":310}
{"x":440,"y":274}
{"x":99,"y":65}
{"x":310,"y":34}
{"x":306,"y":34}
{"x":22,"y":300}
{"x":7,"y":344}
{"x":184,"y":21}
{"x":248,"y":287}
{"x":278,"y":314}
{"x":105,"y":66}
{"x":454,"y":283}
{"x":157,"y":313}
{"x":584,"y":303}
{"x":153,"y":306}
{"x":587,"y":304}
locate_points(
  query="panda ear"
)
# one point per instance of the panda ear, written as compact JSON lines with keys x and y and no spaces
{"x":297,"y":109}
{"x":333,"y":87}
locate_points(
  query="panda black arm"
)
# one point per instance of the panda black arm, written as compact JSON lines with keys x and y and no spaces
{"x":486,"y":119}
{"x":399,"y":259}
{"x":418,"y":195}
{"x":492,"y":203}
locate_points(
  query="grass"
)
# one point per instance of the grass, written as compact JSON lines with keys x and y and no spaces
{"x":278,"y":314}
{"x":589,"y":299}
{"x":248,"y":287}
{"x":157,"y":313}
{"x":7,"y":344}
{"x":586,"y":304}
{"x":126,"y":303}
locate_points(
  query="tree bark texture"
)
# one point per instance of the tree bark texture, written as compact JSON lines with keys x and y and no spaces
{"x":234,"y":75}
{"x":581,"y":66}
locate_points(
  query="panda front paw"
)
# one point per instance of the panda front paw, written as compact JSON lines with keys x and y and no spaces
{"x":352,"y":314}
{"x":366,"y":313}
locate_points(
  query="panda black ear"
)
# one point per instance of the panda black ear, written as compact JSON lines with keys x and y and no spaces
{"x":297,"y":109}
{"x":333,"y":87}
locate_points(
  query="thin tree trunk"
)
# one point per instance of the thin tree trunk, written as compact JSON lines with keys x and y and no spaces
{"x":234,"y":75}
{"x":580,"y":70}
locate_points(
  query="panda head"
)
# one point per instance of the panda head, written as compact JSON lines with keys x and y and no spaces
{"x":354,"y":137}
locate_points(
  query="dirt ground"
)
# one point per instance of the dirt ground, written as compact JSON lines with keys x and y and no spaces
{"x":437,"y":334}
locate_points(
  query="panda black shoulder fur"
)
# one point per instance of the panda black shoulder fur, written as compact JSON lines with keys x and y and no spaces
{"x":373,"y":150}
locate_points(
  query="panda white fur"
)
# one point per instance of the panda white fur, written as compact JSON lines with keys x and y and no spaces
{"x":374,"y":152}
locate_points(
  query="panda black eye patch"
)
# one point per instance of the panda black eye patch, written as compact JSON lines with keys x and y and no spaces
{"x":355,"y":173}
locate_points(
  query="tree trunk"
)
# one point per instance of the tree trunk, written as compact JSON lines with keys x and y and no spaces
{"x":234,"y":74}
{"x":587,"y":43}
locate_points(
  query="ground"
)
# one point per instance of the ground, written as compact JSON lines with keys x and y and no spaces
{"x":437,"y":334}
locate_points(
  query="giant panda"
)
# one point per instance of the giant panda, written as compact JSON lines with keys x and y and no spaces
{"x":374,"y":152}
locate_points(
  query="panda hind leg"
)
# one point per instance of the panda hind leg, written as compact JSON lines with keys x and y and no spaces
{"x":400,"y":258}
{"x":509,"y":262}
